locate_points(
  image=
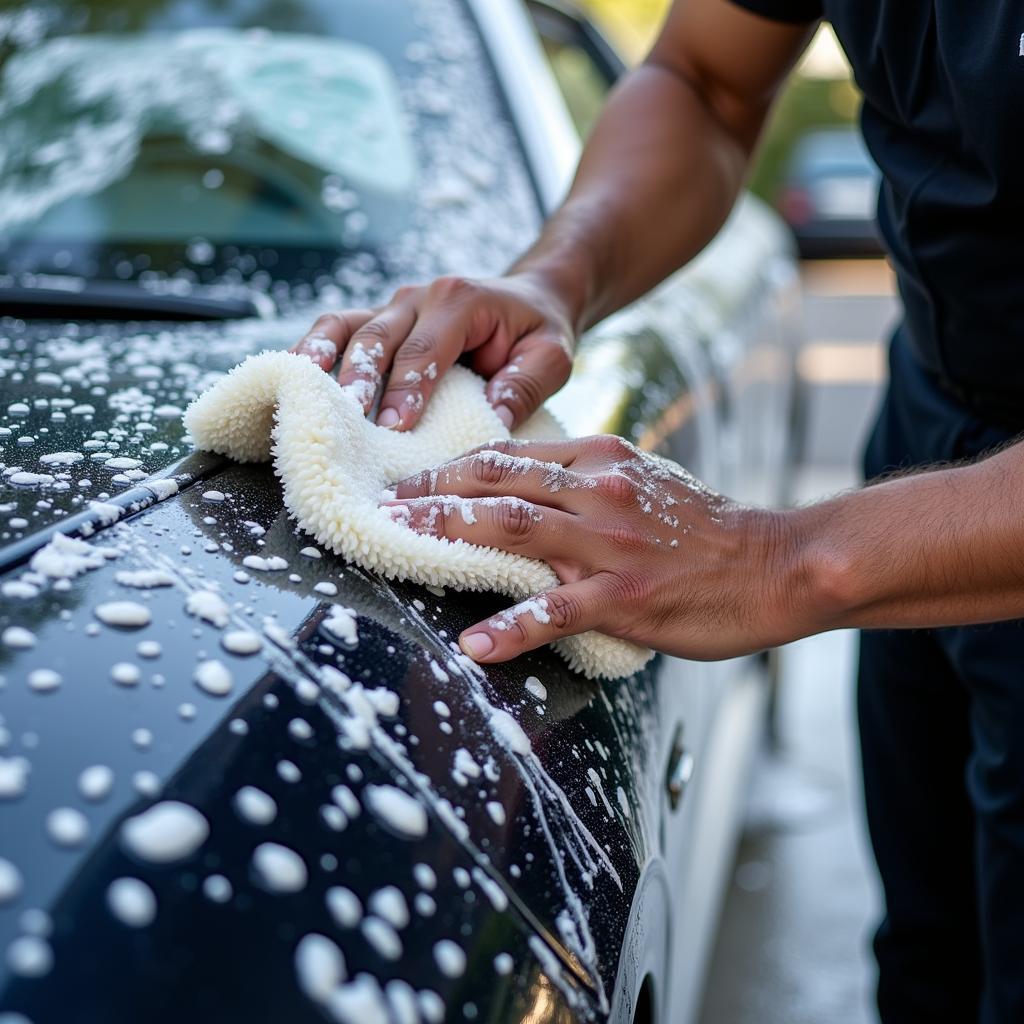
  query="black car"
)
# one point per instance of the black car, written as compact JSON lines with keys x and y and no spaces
{"x":216,"y":804}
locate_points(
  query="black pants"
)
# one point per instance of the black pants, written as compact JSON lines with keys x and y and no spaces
{"x":942,"y":738}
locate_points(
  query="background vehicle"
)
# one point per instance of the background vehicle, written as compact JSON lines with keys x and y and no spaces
{"x":830,"y":194}
{"x":193,"y":832}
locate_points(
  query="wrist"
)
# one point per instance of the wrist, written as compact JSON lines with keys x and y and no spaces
{"x":818,"y":572}
{"x":562,"y":289}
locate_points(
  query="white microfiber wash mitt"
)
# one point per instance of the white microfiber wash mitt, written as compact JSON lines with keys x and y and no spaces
{"x":334,"y":465}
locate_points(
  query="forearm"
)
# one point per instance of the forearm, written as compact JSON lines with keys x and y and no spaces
{"x":656,"y":181}
{"x":937,"y":548}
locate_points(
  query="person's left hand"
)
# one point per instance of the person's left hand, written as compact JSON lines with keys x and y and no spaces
{"x":642,"y":549}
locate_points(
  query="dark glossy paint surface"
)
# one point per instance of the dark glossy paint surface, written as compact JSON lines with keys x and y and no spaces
{"x":240,"y":954}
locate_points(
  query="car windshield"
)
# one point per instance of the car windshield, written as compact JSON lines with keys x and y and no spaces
{"x":295,"y":140}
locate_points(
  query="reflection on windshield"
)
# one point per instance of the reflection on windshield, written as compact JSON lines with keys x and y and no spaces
{"x":287,"y":144}
{"x":106,"y":135}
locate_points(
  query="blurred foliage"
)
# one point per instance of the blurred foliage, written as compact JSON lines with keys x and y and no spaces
{"x":805,"y":103}
{"x":630,"y":24}
{"x":581,"y":85}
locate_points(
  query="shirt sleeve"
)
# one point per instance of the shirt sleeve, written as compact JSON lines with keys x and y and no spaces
{"x":794,"y":12}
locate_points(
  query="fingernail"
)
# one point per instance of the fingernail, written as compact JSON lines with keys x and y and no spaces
{"x":477,"y":645}
{"x":504,"y":414}
{"x":388,"y":418}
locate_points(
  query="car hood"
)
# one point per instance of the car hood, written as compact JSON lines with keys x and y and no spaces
{"x":537,"y":820}
{"x":80,"y":396}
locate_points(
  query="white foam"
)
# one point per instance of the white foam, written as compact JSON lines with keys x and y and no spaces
{"x":319,"y":966}
{"x":13,"y":777}
{"x":344,"y":906}
{"x":132,"y":902}
{"x":389,"y":903}
{"x":210,"y":607}
{"x":214,"y":677}
{"x":382,"y":937}
{"x":18,"y":637}
{"x":241,"y":642}
{"x":167,"y":832}
{"x":279,"y":869}
{"x":536,"y":687}
{"x":67,"y":557}
{"x":341,"y":622}
{"x":29,"y":956}
{"x":255,"y":806}
{"x":10,"y":882}
{"x":510,"y":731}
{"x":144,"y":579}
{"x":96,"y":782}
{"x":396,"y":808}
{"x":450,"y":958}
{"x":43,"y":680}
{"x":273,"y":563}
{"x":124,"y":673}
{"x":126,"y":614}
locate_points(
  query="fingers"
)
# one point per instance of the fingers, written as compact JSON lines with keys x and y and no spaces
{"x":566,"y":610}
{"x":372,"y":347}
{"x":511,"y":524}
{"x":537,"y":367}
{"x":500,"y":471}
{"x":329,"y":336}
{"x":451,"y":320}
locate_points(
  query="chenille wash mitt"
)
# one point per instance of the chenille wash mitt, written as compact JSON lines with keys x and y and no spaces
{"x":335,"y":465}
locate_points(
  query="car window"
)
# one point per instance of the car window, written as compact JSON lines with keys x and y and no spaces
{"x":297,"y":140}
{"x":583,"y":84}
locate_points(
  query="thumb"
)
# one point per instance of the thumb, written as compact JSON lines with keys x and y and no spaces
{"x":537,"y":367}
{"x":566,"y":610}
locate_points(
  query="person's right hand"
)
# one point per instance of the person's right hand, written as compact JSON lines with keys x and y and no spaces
{"x":520,"y":336}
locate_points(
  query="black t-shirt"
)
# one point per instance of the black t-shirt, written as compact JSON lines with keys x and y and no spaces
{"x":943,"y":116}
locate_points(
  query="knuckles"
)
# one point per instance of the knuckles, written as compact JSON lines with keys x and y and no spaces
{"x":373,"y":331}
{"x":404,"y":294}
{"x":611,"y":447}
{"x":488,"y":471}
{"x":515,"y":520}
{"x":563,"y":611}
{"x":418,"y":347}
{"x":451,"y":288}
{"x":630,"y":589}
{"x":617,"y":490}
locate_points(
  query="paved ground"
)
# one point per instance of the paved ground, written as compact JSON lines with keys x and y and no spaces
{"x":793,"y":943}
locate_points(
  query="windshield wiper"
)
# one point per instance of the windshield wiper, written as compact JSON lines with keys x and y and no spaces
{"x":77,"y":299}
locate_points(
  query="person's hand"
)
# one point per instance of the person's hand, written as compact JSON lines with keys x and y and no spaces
{"x":519,"y":336}
{"x":642,"y":549}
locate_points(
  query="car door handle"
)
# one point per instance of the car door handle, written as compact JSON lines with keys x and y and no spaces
{"x":680,"y":770}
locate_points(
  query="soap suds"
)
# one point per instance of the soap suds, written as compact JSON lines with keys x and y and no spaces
{"x":214,"y":677}
{"x":132,"y":902}
{"x":167,"y":832}
{"x":255,"y":806}
{"x":278,"y":868}
{"x":210,"y":607}
{"x":401,"y":812}
{"x":96,"y":782}
{"x":241,"y":642}
{"x":125,"y":614}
